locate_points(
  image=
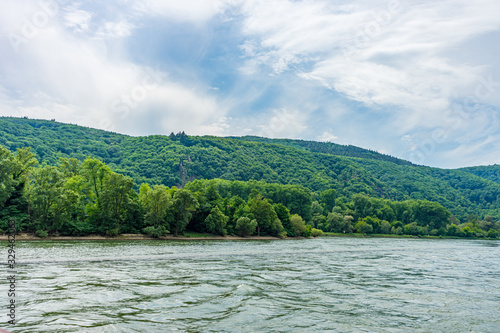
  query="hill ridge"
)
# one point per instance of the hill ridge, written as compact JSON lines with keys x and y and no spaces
{"x":176,"y":159}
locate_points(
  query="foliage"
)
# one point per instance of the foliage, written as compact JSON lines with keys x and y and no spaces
{"x":88,"y":183}
{"x":156,"y":232}
{"x":245,"y":226}
{"x":216,"y":222}
{"x":317,"y":232}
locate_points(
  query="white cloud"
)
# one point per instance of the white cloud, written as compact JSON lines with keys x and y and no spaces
{"x":405,"y":59}
{"x":77,"y":19}
{"x":195,"y":11}
{"x":284,"y":124}
{"x":327,"y":137}
{"x":118,"y":29}
{"x":74,"y":79}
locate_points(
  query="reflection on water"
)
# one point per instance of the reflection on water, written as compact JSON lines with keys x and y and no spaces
{"x":312,"y":285}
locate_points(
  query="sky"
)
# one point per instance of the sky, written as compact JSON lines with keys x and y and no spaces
{"x":415,"y":79}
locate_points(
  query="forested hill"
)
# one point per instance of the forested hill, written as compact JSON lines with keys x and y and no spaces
{"x":328,"y":148}
{"x":491,"y":172}
{"x":177,"y":159}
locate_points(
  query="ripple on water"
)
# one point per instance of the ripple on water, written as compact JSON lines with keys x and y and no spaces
{"x":335,"y":284}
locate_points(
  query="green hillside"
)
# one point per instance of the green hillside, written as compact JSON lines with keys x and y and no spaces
{"x":490,"y":172}
{"x":178,"y":159}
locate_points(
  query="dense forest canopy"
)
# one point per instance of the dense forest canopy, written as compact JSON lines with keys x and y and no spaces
{"x":210,"y":183}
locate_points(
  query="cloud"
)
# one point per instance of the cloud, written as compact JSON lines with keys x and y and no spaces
{"x":399,"y":58}
{"x":284,"y":124}
{"x":74,"y":78}
{"x":194,"y":11}
{"x":77,"y":19}
{"x":327,"y":137}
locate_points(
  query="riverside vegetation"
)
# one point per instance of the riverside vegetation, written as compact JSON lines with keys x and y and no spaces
{"x":78,"y":181}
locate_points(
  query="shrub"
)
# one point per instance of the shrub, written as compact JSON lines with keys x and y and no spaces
{"x":155,"y":232}
{"x":245,"y":226}
{"x":492,"y":233}
{"x":41,"y":233}
{"x":317,"y":232}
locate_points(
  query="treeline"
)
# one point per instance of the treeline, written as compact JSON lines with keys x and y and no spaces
{"x":178,"y":159}
{"x":79,"y":198}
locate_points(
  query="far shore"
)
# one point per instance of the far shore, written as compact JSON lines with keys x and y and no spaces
{"x":31,"y":237}
{"x":198,"y":236}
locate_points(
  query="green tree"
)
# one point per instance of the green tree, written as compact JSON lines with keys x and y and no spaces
{"x":335,"y":222}
{"x":298,"y":224}
{"x":155,"y":202}
{"x":183,"y":206}
{"x":216,"y":222}
{"x":267,"y":219}
{"x":385,"y":227}
{"x":430,"y":213}
{"x":245,"y":226}
{"x":363,"y":227}
{"x":284,"y":216}
{"x":114,"y":200}
{"x":328,"y":198}
{"x":13,"y":171}
{"x":50,"y":200}
{"x":95,"y":172}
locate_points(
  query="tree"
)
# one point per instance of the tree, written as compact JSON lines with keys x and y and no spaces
{"x":13,"y":171}
{"x":328,"y":198}
{"x":95,"y":172}
{"x":411,"y":229}
{"x":216,"y":222}
{"x":267,"y":219}
{"x":155,"y":203}
{"x":183,"y":205}
{"x":245,"y":226}
{"x":284,"y":216}
{"x":430,"y":213}
{"x":363,"y":227}
{"x":298,"y":224}
{"x":385,"y":227}
{"x":50,"y":200}
{"x":335,"y":222}
{"x":348,"y":227}
{"x":114,"y":200}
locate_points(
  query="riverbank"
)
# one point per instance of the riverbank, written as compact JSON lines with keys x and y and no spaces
{"x":187,"y":236}
{"x":199,"y":236}
{"x":357,"y":235}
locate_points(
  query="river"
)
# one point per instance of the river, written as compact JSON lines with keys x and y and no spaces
{"x":307,"y":285}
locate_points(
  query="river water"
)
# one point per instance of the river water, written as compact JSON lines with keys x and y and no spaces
{"x":308,"y":285}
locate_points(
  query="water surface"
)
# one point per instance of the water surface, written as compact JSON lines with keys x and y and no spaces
{"x":309,"y":285}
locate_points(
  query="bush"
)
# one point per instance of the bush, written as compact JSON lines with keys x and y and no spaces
{"x":492,"y":233}
{"x":112,"y":232}
{"x":298,"y":225}
{"x":41,"y":233}
{"x":155,"y":232}
{"x":317,"y":232}
{"x":245,"y":226}
{"x":363,"y":227}
{"x":282,"y":234}
{"x":308,"y":231}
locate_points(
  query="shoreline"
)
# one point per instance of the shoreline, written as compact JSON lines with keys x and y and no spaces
{"x":31,"y":237}
{"x":134,"y":237}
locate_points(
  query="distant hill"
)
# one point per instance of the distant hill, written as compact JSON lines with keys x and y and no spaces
{"x":490,"y":172}
{"x":177,"y":159}
{"x":328,"y":148}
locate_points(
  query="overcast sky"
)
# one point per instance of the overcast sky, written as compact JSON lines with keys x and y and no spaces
{"x":415,"y":79}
